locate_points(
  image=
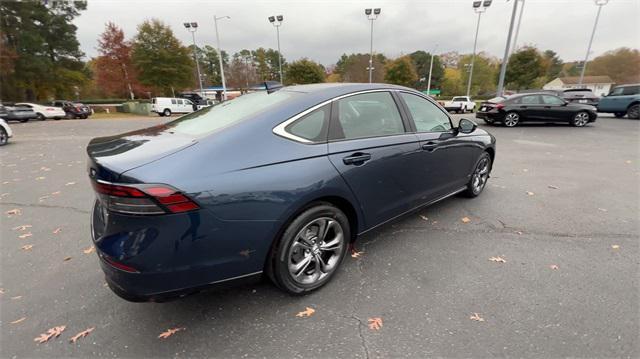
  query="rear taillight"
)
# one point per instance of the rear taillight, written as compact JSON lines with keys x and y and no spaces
{"x":499,"y":106}
{"x":143,"y":199}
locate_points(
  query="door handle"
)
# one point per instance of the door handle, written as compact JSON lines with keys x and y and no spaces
{"x":430,"y":146}
{"x":357,"y":158}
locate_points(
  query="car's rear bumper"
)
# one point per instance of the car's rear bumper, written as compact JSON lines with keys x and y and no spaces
{"x":493,"y":116}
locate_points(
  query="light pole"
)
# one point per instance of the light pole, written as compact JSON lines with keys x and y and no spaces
{"x":431,"y":69}
{"x":192,"y":27}
{"x":515,"y":38}
{"x":276,"y":21}
{"x":224,"y":84}
{"x":479,"y":7}
{"x":600,"y":4}
{"x":371,"y":14}
{"x":503,"y":68}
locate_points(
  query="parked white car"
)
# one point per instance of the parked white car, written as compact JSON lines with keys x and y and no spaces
{"x":460,"y":104}
{"x":5,"y":132}
{"x":165,"y":106}
{"x":44,"y":112}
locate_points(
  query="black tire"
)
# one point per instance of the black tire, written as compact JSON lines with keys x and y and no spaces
{"x":488,"y":121}
{"x":41,"y":117}
{"x":619,"y":114}
{"x":511,"y":119}
{"x":23,"y":120}
{"x":634,"y":111}
{"x":166,"y":112}
{"x":57,"y":118}
{"x":580,"y":119}
{"x":290,"y":246}
{"x":4,"y":138}
{"x":482,"y":164}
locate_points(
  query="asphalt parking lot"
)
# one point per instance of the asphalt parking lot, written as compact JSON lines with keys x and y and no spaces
{"x":561,"y":209}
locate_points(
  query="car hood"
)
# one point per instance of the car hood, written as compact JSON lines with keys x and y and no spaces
{"x":114,"y":155}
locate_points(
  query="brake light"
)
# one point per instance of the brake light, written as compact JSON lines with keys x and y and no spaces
{"x":120,"y":266}
{"x":143,"y":199}
{"x":499,"y":106}
{"x":78,"y":108}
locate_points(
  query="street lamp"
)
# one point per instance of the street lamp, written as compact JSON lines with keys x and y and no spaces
{"x":224,"y":84}
{"x":431,"y":69}
{"x":276,"y":21}
{"x":505,"y":59}
{"x":192,"y":27}
{"x":479,"y":7}
{"x":371,"y":14}
{"x":515,"y":38}
{"x":600,"y":4}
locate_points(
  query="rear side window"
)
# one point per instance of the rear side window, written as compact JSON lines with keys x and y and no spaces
{"x":368,"y":115}
{"x":552,"y":100}
{"x":173,"y":101}
{"x":427,"y":116}
{"x":631,"y":90}
{"x":313,"y":126}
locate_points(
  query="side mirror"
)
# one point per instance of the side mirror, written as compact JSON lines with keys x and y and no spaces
{"x":466,"y":126}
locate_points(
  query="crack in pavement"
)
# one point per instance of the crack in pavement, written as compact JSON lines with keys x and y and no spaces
{"x":46,"y":206}
{"x":509,"y":230}
{"x":365,"y":348}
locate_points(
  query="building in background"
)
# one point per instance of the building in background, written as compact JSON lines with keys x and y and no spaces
{"x":599,"y":85}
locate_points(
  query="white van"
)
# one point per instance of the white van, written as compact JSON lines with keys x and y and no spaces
{"x":165,"y":106}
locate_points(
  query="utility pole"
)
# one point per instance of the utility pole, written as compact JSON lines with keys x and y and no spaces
{"x":503,"y":68}
{"x":515,"y":39}
{"x":224,"y":84}
{"x":371,"y":14}
{"x":430,"y":70}
{"x":276,"y":21}
{"x":192,"y":27}
{"x":600,"y":4}
{"x":479,"y":7}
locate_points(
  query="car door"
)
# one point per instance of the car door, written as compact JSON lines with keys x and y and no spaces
{"x":556,"y":109}
{"x":371,"y":149}
{"x":530,"y":108}
{"x":446,"y":157}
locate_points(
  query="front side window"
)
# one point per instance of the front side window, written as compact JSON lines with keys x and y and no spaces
{"x":427,"y":116}
{"x":369,"y":115}
{"x":312,"y":126}
{"x":179,"y":102}
{"x":616,"y":91}
{"x":173,"y":101}
{"x":530,"y":100}
{"x":552,"y":100}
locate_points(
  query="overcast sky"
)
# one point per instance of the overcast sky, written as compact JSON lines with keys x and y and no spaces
{"x":323,"y":30}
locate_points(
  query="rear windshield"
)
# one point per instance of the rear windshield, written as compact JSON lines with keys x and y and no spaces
{"x":227,"y":113}
{"x":459,"y":99}
{"x":496,"y":99}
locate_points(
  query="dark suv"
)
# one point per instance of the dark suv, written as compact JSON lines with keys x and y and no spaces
{"x":73,"y":110}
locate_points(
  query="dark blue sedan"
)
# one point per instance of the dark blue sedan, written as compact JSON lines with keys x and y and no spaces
{"x":276,"y":182}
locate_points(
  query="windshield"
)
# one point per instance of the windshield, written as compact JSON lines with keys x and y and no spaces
{"x":459,"y":99}
{"x":227,"y":113}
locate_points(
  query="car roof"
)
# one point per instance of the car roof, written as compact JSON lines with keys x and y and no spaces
{"x":338,"y":88}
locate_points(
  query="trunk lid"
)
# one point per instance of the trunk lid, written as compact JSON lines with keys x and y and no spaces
{"x":111,"y":156}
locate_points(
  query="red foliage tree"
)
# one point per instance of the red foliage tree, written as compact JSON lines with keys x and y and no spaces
{"x":115,"y":74}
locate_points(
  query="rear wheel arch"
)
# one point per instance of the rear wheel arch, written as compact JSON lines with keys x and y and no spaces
{"x":492,"y":153}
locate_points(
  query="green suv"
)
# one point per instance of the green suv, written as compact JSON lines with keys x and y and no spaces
{"x":622,"y":100}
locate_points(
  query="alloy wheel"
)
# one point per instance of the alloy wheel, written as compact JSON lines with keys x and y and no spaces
{"x":4,"y":138}
{"x":581,"y":119}
{"x":480,"y":175}
{"x":316,"y":250}
{"x":634,"y":112}
{"x":511,"y":119}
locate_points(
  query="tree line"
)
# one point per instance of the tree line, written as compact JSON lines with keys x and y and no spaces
{"x":40,"y":59}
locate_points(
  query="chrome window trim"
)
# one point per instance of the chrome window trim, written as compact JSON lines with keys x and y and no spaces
{"x":280,"y":129}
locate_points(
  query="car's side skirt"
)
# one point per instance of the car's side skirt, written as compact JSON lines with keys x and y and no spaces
{"x":415,"y":209}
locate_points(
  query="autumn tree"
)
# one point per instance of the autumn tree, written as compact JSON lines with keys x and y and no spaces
{"x":114,"y":71}
{"x":41,"y":55}
{"x":452,"y":82}
{"x":210,"y":65}
{"x":622,"y":65}
{"x":241,"y":71}
{"x":353,"y":68}
{"x":304,"y":71}
{"x":401,"y":71}
{"x":523,"y":69}
{"x":422,"y":62}
{"x":162,"y":62}
{"x":485,"y":71}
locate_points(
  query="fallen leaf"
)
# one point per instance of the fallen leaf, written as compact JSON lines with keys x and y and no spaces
{"x":552,"y":186}
{"x":356,"y":254}
{"x":42,"y":198}
{"x":554,"y":266}
{"x":476,"y":317}
{"x":22,"y":227}
{"x":498,"y":259}
{"x":1,"y":290}
{"x":27,"y":247}
{"x":69,"y":183}
{"x":45,"y":169}
{"x":615,"y":246}
{"x":40,"y":178}
{"x":82,"y":334}
{"x":55,"y":193}
{"x":525,"y":170}
{"x":18,"y":320}
{"x":375,"y":323}
{"x":66,"y":259}
{"x":424,"y":217}
{"x":51,"y":333}
{"x":530,"y":193}
{"x":465,"y":220}
{"x":26,"y":235}
{"x":602,"y":209}
{"x":627,"y":161}
{"x":4,"y":194}
{"x":14,"y":212}
{"x":518,"y":232}
{"x":169,"y":332}
{"x":16,"y":297}
{"x":57,"y":230}
{"x":306,"y":313}
{"x":89,"y":250}
{"x":246,"y":253}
